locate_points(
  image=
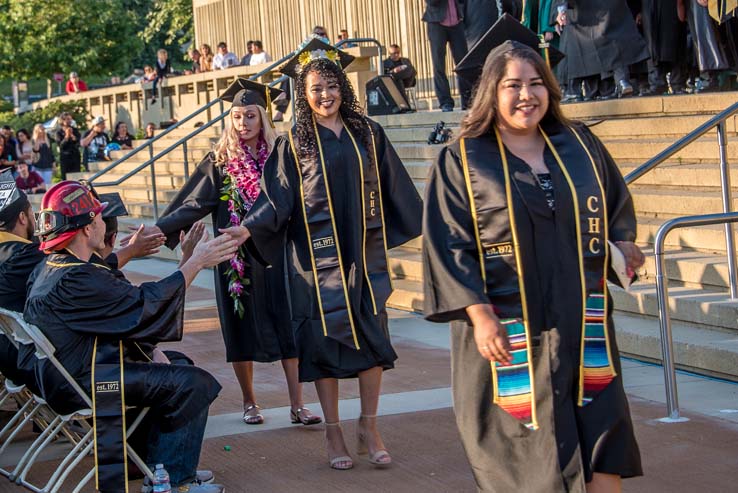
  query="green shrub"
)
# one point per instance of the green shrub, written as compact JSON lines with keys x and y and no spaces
{"x":28,"y":119}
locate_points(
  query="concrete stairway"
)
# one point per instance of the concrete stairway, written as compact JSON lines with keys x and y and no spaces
{"x":634,"y":130}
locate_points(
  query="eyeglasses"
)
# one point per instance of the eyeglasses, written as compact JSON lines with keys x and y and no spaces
{"x":321,"y":33}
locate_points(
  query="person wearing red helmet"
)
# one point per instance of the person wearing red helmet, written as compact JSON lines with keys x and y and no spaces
{"x":88,"y":314}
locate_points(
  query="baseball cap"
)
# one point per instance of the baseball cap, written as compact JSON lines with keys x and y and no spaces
{"x":97,"y":120}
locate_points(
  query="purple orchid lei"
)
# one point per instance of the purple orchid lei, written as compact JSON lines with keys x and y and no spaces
{"x":241,"y":187}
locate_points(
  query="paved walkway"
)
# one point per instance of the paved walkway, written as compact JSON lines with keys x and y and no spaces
{"x":417,"y":420}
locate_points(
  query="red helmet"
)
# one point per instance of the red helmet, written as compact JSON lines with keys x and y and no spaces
{"x":66,"y":207}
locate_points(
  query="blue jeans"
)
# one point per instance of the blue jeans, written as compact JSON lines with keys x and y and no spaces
{"x":178,"y":450}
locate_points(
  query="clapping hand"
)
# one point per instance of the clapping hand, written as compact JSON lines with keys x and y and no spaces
{"x":142,"y":244}
{"x":190,"y":240}
{"x":238,"y":233}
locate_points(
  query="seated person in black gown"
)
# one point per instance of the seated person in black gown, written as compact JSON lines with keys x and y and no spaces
{"x":88,"y":314}
{"x":19,"y":255}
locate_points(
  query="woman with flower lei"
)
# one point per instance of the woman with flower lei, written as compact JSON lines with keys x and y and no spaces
{"x":251,"y":299}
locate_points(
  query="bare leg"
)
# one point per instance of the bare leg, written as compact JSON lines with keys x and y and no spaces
{"x":293,"y":383}
{"x":370,"y":384}
{"x":244,"y":371}
{"x":604,"y":483}
{"x":328,"y":394}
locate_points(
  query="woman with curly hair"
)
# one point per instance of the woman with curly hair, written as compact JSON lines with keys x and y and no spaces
{"x":251,"y":298}
{"x":338,"y":191}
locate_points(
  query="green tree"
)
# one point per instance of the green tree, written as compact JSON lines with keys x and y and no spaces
{"x":173,"y":19}
{"x":92,"y":37}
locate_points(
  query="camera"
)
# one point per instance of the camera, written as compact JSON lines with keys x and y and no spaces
{"x":440,"y":134}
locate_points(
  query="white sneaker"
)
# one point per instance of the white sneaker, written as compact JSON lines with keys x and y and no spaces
{"x":203,"y":477}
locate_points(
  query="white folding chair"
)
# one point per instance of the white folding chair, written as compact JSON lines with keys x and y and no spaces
{"x":45,"y":350}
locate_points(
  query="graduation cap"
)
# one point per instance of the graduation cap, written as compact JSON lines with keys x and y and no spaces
{"x":244,"y":92}
{"x":12,"y":199}
{"x":315,"y":49}
{"x":506,"y":31}
{"x":115,"y":208}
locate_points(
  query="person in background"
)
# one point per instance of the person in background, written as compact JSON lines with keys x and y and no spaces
{"x":206,"y":58}
{"x":75,"y":84}
{"x":246,"y":60}
{"x":23,"y":146}
{"x":259,"y":56}
{"x":444,"y":21}
{"x":224,"y":59}
{"x":195,"y":56}
{"x":121,"y":136}
{"x":94,"y":141}
{"x":321,"y":33}
{"x":4,"y":163}
{"x":149,"y":131}
{"x":43,"y":161}
{"x":163,"y":69}
{"x":148,"y":75}
{"x":68,"y":139}
{"x":344,"y":34}
{"x":27,"y":180}
{"x":400,"y":68}
{"x":10,"y":153}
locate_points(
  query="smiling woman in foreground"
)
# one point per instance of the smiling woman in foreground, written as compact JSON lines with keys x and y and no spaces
{"x":527,"y":202}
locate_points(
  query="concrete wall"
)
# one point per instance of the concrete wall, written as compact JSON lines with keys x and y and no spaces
{"x":283,"y":24}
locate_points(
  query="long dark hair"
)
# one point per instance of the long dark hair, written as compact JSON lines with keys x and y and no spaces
{"x":350,"y":110}
{"x":483,"y":112}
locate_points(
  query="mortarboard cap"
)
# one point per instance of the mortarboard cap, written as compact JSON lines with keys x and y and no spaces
{"x":115,"y":208}
{"x":315,"y":49}
{"x":244,"y":92}
{"x":506,"y":31}
{"x":12,"y":199}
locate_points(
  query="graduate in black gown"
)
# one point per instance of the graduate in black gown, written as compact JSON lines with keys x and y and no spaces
{"x":338,"y":191}
{"x":518,"y":214}
{"x":252,"y":300}
{"x":19,"y":255}
{"x":89,"y":314}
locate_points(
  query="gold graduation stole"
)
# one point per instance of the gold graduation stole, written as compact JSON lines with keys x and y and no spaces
{"x":498,"y":248}
{"x":109,"y":418}
{"x":331,"y":288}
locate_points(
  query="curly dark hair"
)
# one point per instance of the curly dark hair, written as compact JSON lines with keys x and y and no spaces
{"x":353,"y":116}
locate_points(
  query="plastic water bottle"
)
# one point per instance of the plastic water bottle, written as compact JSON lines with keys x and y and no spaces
{"x":161,"y":480}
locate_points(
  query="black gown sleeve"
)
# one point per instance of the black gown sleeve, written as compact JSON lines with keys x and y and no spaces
{"x":15,"y":274}
{"x":268,"y":218}
{"x":197,"y":198}
{"x":452,"y":278}
{"x":402,"y":206}
{"x":92,"y":300}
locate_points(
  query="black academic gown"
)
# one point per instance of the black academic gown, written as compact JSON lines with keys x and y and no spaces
{"x":264,"y":333}
{"x":479,"y":15}
{"x":572,"y":442}
{"x":278,"y":212}
{"x":665,"y":34}
{"x":18,"y":258}
{"x":600,"y":37}
{"x":74,"y":302}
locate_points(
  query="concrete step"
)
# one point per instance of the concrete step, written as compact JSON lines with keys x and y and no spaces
{"x":414,"y":134}
{"x":682,"y":175}
{"x":407,"y":295}
{"x":691,"y":268}
{"x":704,"y":150}
{"x":656,"y":126}
{"x":704,"y":238}
{"x":696,"y":348}
{"x":675,"y":201}
{"x":690,"y":304}
{"x":170,"y":164}
{"x":406,"y":263}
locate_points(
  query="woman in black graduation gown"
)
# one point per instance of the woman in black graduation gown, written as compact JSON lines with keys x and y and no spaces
{"x":251,"y":300}
{"x":336,"y":240}
{"x":518,"y":214}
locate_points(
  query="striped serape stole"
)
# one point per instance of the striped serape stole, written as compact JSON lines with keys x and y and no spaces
{"x":597,"y":369}
{"x":513,"y":389}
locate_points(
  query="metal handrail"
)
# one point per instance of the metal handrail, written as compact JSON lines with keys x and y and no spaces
{"x":681,"y":143}
{"x":662,"y":292}
{"x":727,"y":217}
{"x":380,"y":65}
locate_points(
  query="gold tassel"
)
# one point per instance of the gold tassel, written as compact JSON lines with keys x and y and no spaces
{"x":269,"y":106}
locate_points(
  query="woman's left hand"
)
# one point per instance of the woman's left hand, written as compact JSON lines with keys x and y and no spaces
{"x":634,"y":257}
